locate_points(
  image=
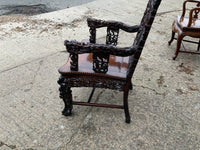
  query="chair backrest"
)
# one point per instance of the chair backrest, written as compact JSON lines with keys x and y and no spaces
{"x":142,"y":34}
{"x":194,"y":12}
{"x":193,"y":16}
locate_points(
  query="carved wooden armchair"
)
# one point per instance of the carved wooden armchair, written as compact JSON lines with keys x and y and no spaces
{"x":104,"y":65}
{"x":186,"y":26}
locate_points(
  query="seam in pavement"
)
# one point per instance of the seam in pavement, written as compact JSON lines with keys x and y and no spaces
{"x":41,"y":59}
{"x":30,"y":62}
{"x":166,"y":12}
{"x":157,"y":93}
{"x":36,"y":73}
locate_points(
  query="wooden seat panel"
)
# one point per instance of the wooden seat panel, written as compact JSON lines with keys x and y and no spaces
{"x":117,"y":66}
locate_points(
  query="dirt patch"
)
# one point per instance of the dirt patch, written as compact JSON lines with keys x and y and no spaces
{"x":187,"y":69}
{"x":18,"y":29}
{"x":20,"y":23}
{"x":160,"y":81}
{"x":193,"y":88}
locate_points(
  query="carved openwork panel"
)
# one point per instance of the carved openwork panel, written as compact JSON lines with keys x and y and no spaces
{"x":100,"y":62}
{"x":198,"y":4}
{"x":195,"y":15}
{"x":74,"y":61}
{"x":112,"y":36}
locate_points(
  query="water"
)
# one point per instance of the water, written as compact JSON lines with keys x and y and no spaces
{"x":32,"y":7}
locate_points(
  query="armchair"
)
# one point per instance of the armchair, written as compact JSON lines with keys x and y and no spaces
{"x":186,"y":26}
{"x":104,"y":65}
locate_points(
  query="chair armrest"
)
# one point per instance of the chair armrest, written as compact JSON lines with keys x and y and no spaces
{"x":184,"y":7}
{"x":75,"y":47}
{"x":96,"y":23}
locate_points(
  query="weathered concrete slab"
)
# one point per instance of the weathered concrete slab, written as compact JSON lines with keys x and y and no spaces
{"x":31,"y":112}
{"x":164,"y":104}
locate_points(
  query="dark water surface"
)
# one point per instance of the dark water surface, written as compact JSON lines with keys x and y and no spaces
{"x":33,"y":7}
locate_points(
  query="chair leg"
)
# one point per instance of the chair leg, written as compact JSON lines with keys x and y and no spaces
{"x":198,"y":46}
{"x":172,"y":38}
{"x":131,"y":86}
{"x":66,"y":95}
{"x":126,"y":110}
{"x":179,"y":40}
{"x":89,"y":99}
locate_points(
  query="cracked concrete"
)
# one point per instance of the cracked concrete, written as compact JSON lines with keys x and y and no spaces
{"x":142,"y":86}
{"x":6,"y":145}
{"x":164,"y":103}
{"x":166,"y":12}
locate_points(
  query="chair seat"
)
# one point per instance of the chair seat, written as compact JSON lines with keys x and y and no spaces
{"x":183,"y":24}
{"x":117,"y":67}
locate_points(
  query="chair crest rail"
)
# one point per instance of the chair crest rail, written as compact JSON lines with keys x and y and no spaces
{"x":96,"y":23}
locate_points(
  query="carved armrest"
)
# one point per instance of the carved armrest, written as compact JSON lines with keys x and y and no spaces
{"x":96,"y":23}
{"x":74,"y":48}
{"x":184,"y":6}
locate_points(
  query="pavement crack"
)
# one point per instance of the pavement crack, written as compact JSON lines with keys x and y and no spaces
{"x":30,"y":83}
{"x":3,"y":96}
{"x":4,"y":144}
{"x":166,"y":12}
{"x":157,"y":93}
{"x":36,"y":73}
{"x":28,"y":62}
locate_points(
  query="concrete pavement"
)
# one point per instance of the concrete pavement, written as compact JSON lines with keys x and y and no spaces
{"x":164,"y":103}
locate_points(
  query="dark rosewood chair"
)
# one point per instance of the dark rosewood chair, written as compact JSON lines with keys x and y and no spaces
{"x":104,"y":65}
{"x":186,"y":26}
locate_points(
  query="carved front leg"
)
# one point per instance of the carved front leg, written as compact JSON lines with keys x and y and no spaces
{"x":66,"y":95}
